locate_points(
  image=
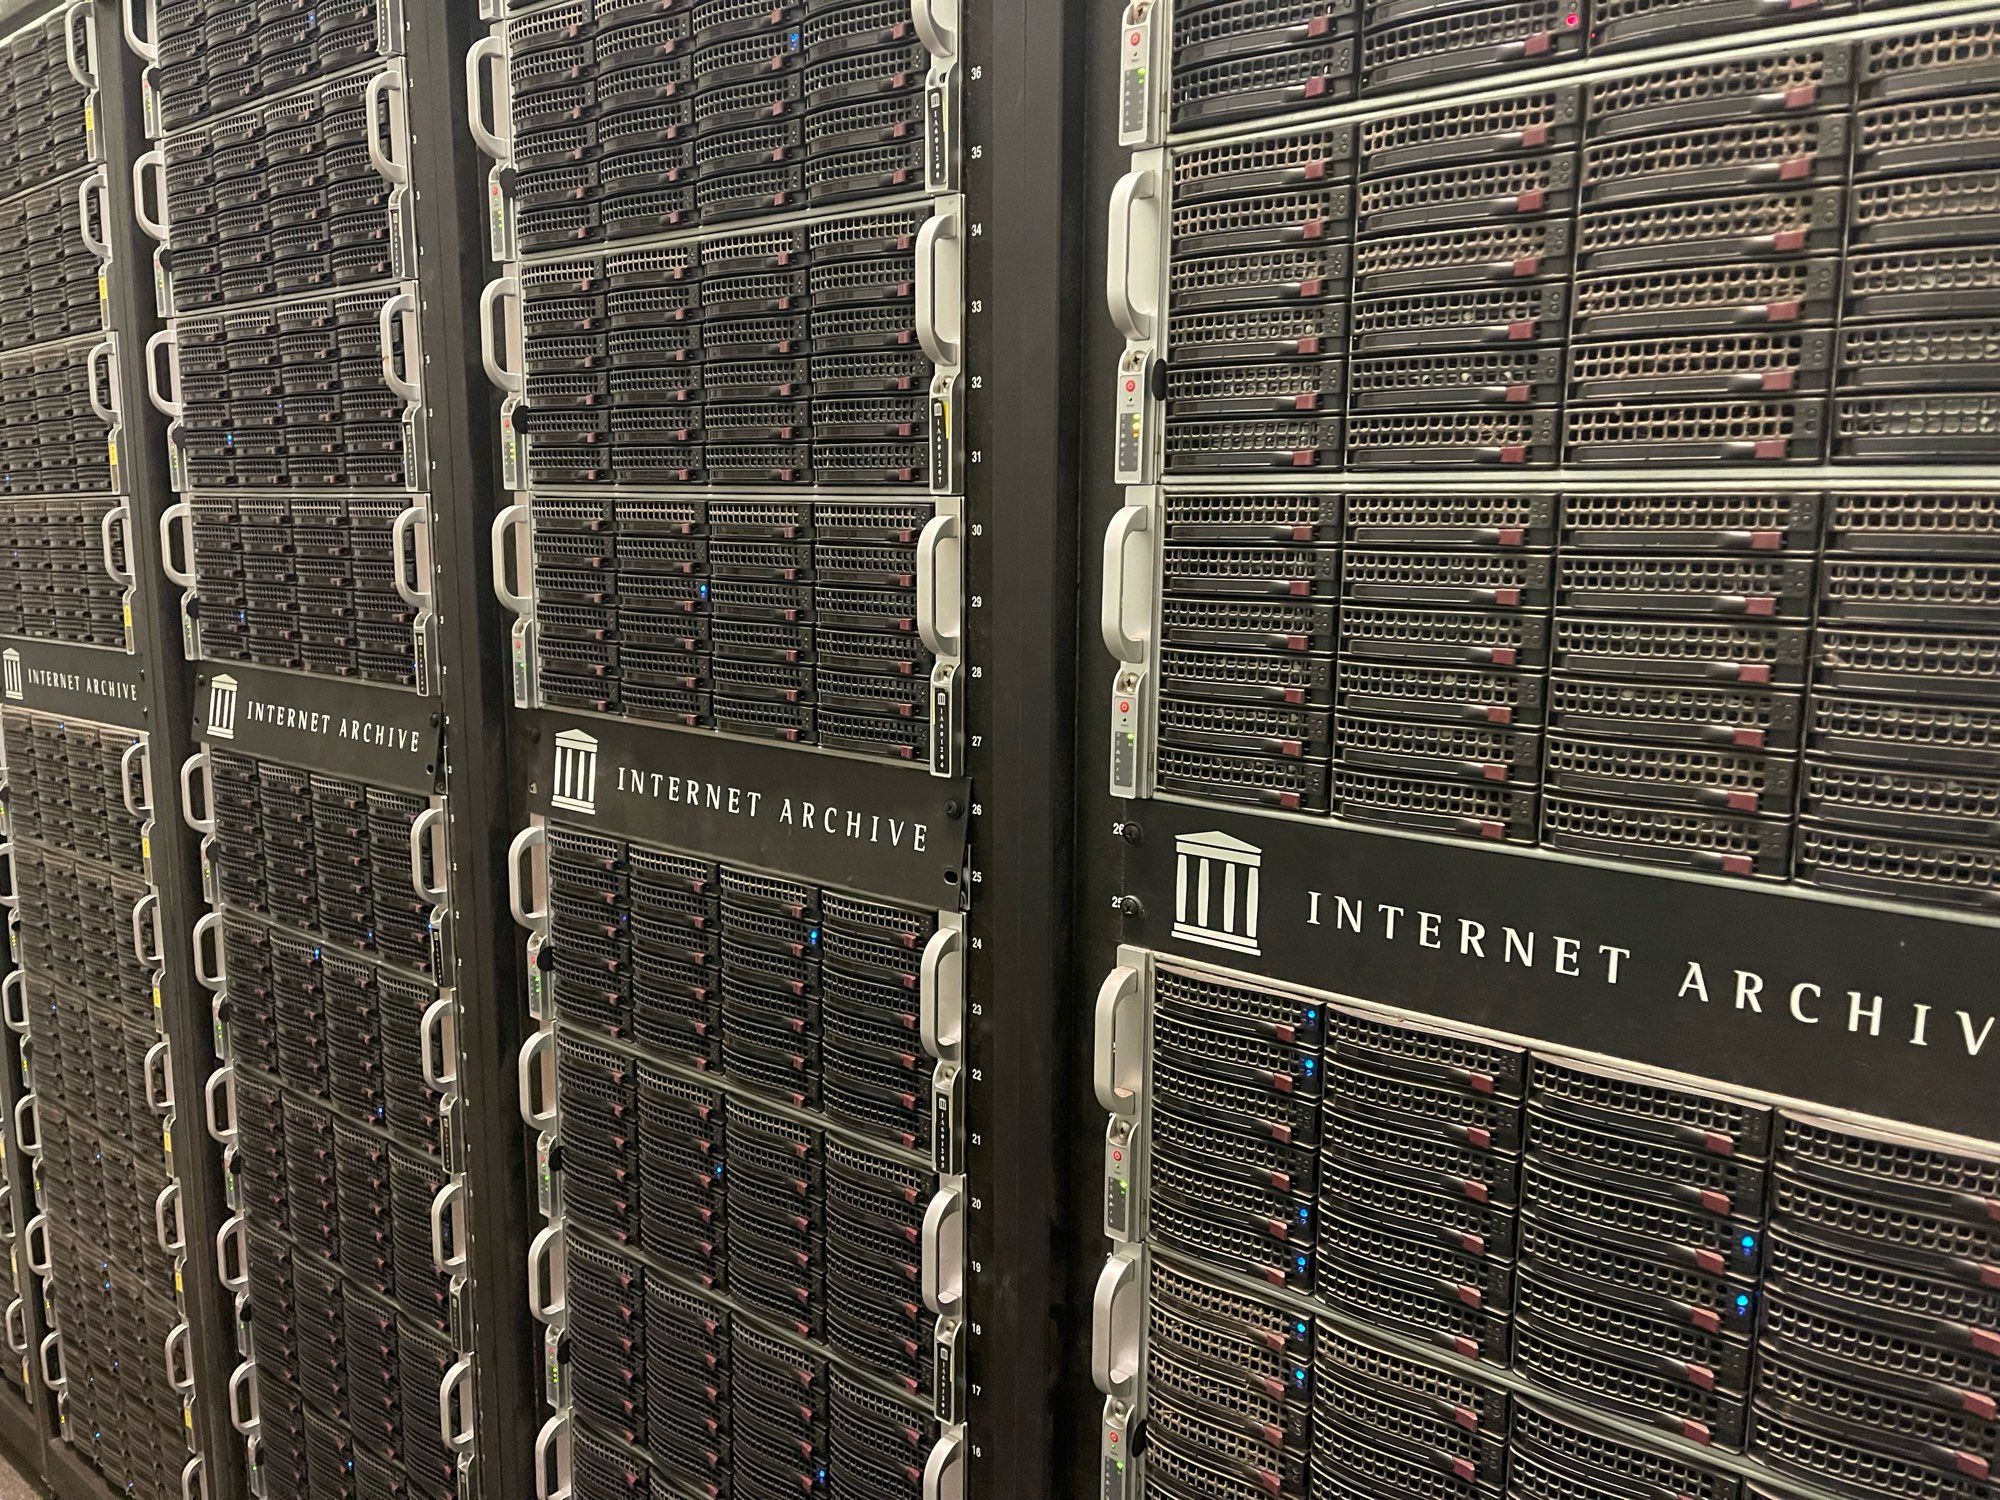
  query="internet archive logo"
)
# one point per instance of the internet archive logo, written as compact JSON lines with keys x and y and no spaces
{"x":576,"y":771}
{"x":1215,"y":891}
{"x":222,"y":707}
{"x":10,"y":668}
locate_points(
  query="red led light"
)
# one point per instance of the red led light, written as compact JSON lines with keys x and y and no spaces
{"x":1131,"y":385}
{"x":1124,"y":706}
{"x":1135,"y":38}
{"x":1572,"y":19}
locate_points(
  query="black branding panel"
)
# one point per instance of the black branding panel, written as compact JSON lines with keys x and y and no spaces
{"x":886,"y":830}
{"x":1847,"y":1005}
{"x":357,"y":729}
{"x":54,"y":677}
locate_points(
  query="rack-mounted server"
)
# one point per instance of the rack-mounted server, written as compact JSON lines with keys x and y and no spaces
{"x":1718,"y":682}
{"x":1757,"y":259}
{"x":1356,"y":1248}
{"x":95,"y":1103}
{"x":735,"y":450}
{"x":328,"y":958}
{"x":291,"y":368}
{"x":746,"y":1098}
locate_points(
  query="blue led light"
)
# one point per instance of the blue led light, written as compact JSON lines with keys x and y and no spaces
{"x":1310,"y":1063}
{"x":1302,"y":1330}
{"x":1743,"y":1303}
{"x":812,"y":935}
{"x":1749,"y":1242}
{"x":1304,"y":1214}
{"x":1302,"y":1262}
{"x":1299,"y":1377}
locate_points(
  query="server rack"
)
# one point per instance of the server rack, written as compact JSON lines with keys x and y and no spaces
{"x":1544,"y":555}
{"x":116,"y":1352}
{"x":735,"y":449}
{"x":303,"y":367}
{"x":735,"y":457}
{"x":747,"y":261}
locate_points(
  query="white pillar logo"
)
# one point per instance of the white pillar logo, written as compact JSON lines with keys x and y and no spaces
{"x":1216,"y":891}
{"x":11,"y":661}
{"x":576,"y":771}
{"x":222,"y":707}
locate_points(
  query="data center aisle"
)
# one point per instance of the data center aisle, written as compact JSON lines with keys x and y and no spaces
{"x":1544,"y":840}
{"x":15,"y":1485}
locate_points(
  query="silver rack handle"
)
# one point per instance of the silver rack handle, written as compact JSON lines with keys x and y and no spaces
{"x":1126,"y":646}
{"x":138,"y":791}
{"x":145,"y":916}
{"x":944,"y":1470}
{"x":98,"y":367}
{"x":941,"y":994}
{"x":402,"y":541}
{"x":936,"y":23}
{"x":438,"y":1040}
{"x":51,"y":1352}
{"x":553,"y":1442}
{"x":1116,"y":1063}
{"x":178,"y":515}
{"x":160,"y":1077}
{"x":222,"y":1081}
{"x":245,"y":1411}
{"x":17,"y":1325}
{"x":403,"y":383}
{"x":446,"y":1227}
{"x":479,"y":66}
{"x":492,"y":352}
{"x":169,"y":1222}
{"x":14,"y":1001}
{"x":82,"y":66}
{"x":528,"y":841}
{"x":940,"y":289}
{"x":148,"y":46}
{"x":10,"y":899}
{"x":504,"y":529}
{"x":455,"y":1400}
{"x":536,"y":1063}
{"x":194,"y":1476}
{"x":938,"y":585}
{"x":944,"y":1251}
{"x":180,"y":1371}
{"x":96,"y":186}
{"x":208,"y":927}
{"x":423,"y":830}
{"x":169,"y":405}
{"x":27,"y":1131}
{"x":151,"y":167}
{"x":198,"y":762}
{"x":381,"y":153}
{"x":36,"y":1228}
{"x":1140,"y":185}
{"x":1114,"y":1326}
{"x":547,"y":1267}
{"x":231,"y":1233}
